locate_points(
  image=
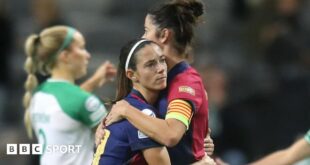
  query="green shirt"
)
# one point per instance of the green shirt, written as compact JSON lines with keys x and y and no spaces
{"x":63,"y":114}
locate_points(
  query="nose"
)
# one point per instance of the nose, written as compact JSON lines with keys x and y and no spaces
{"x":162,"y":67}
{"x":87,"y":54}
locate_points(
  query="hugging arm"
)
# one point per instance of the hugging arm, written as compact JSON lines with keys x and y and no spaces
{"x":167,"y":132}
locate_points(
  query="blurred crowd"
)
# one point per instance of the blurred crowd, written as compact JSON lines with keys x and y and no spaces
{"x":253,"y":55}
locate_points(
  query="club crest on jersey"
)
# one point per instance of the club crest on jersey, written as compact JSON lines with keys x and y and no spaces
{"x":141,"y":135}
{"x":148,"y":112}
{"x":187,"y":89}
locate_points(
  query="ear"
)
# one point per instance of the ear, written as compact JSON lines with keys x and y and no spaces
{"x":131,"y":75}
{"x":165,"y":35}
{"x":64,"y":56}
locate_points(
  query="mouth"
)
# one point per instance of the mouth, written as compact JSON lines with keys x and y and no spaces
{"x":162,"y":78}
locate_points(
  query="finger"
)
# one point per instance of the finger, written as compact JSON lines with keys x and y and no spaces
{"x":96,"y":142}
{"x":107,"y":122}
{"x":209,"y":151}
{"x":206,"y":145}
{"x":210,"y":144}
{"x":106,"y":62}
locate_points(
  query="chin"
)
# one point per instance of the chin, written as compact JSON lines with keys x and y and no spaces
{"x":80,"y":75}
{"x":161,"y":87}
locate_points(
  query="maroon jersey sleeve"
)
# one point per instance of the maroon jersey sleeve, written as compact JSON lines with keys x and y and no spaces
{"x":187,"y":87}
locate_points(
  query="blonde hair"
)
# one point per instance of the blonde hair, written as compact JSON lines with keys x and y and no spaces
{"x":41,"y":51}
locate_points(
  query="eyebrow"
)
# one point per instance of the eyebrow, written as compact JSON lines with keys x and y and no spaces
{"x":150,"y":61}
{"x":154,"y":59}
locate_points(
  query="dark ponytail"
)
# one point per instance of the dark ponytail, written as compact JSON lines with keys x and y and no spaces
{"x":180,"y":16}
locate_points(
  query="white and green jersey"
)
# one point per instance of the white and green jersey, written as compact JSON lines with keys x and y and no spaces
{"x":62,"y":115}
{"x":307,"y":137}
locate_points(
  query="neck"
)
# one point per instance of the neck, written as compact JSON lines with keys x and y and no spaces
{"x":172,"y":57}
{"x":149,"y":95}
{"x":58,"y":73}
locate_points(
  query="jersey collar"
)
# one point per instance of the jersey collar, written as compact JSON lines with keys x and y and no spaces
{"x":136,"y":94}
{"x":178,"y":68}
{"x":58,"y":80}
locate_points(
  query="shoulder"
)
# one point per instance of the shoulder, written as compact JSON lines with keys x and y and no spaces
{"x":189,"y":76}
{"x":188,"y":81}
{"x":63,"y":90}
{"x":142,"y":106}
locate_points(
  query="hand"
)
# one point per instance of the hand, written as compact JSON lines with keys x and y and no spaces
{"x":117,"y":112}
{"x":206,"y":160}
{"x":105,"y":73}
{"x":99,"y":133}
{"x":208,"y":144}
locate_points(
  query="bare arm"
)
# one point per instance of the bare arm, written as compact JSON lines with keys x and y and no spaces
{"x":157,"y":155}
{"x":167,"y":132}
{"x":103,"y":74}
{"x":298,"y":151}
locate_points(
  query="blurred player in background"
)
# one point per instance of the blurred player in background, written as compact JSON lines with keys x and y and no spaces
{"x":61,"y":112}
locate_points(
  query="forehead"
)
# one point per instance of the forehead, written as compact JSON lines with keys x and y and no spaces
{"x":148,"y":52}
{"x":78,"y":38}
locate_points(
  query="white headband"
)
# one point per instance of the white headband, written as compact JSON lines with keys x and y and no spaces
{"x":131,"y":52}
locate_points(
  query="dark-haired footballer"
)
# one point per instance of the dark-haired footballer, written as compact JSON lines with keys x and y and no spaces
{"x":142,"y":74}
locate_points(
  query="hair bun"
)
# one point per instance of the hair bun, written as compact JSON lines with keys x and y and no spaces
{"x":196,"y":7}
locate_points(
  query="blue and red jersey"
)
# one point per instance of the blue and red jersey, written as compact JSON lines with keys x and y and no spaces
{"x":122,"y":140}
{"x":185,"y":83}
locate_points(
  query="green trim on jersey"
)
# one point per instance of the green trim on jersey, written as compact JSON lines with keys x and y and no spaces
{"x":75,"y":102}
{"x":307,"y":137}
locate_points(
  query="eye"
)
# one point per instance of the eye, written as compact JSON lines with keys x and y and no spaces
{"x":162,"y":59}
{"x":150,"y":64}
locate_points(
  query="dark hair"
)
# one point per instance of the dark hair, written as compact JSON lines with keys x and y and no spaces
{"x":180,"y":16}
{"x":124,"y":84}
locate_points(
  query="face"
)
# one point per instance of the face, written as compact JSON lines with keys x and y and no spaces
{"x":78,"y":56}
{"x":150,"y":30}
{"x":151,"y":70}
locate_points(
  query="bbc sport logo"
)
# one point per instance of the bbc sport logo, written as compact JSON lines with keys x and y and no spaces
{"x":37,"y":149}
